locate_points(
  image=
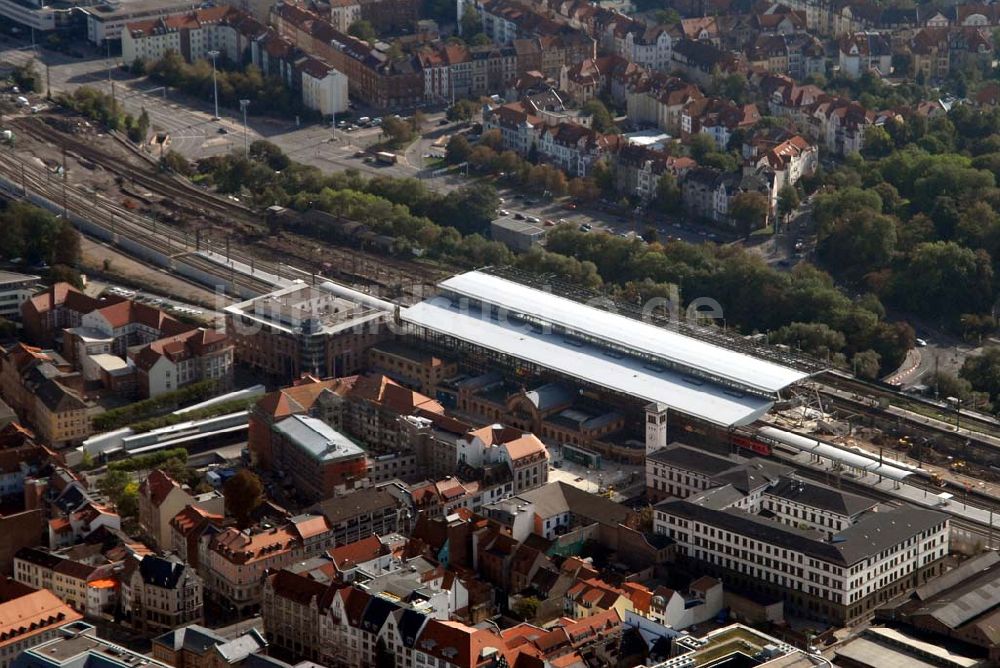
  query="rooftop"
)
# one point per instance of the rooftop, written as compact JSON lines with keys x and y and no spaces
{"x":320,"y":440}
{"x":590,"y":364}
{"x":307,"y":309}
{"x":10,"y":279}
{"x":611,"y":329}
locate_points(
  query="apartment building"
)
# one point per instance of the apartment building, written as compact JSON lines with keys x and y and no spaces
{"x":29,"y":617}
{"x":367,"y":511}
{"x":161,"y":593}
{"x":525,"y":456}
{"x":186,"y":530}
{"x":372,"y":76}
{"x":234,"y":562}
{"x":89,"y":589}
{"x":192,"y":35}
{"x":161,"y":498}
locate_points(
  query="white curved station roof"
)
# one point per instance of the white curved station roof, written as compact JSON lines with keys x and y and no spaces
{"x":703,"y":358}
{"x":849,"y":458}
{"x":589,"y":363}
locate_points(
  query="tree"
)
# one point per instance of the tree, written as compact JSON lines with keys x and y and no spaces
{"x":944,"y":280}
{"x":668,"y":194}
{"x":397,"y":131}
{"x":700,"y":145}
{"x":363,"y":29}
{"x":584,"y":189}
{"x":526,"y":607}
{"x":67,"y":245}
{"x":788,"y":201}
{"x":749,"y":210}
{"x":866,"y":364}
{"x":949,"y":385}
{"x":471,"y":22}
{"x":602,"y":120}
{"x":60,"y":273}
{"x":417,"y":121}
{"x":457,"y":150}
{"x":983,"y":371}
{"x":858,"y":243}
{"x":27,"y":78}
{"x":243,"y":493}
{"x":462,"y":111}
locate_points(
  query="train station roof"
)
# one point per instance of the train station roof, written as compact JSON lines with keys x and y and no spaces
{"x":677,"y":351}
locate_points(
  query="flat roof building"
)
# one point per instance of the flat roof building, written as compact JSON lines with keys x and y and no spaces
{"x":518,"y":235}
{"x":317,"y":458}
{"x":542,"y":331}
{"x":321,"y":330}
{"x":15,"y":289}
{"x":77,"y":646}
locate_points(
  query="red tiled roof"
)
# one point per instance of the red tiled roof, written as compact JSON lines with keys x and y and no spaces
{"x":360,"y":551}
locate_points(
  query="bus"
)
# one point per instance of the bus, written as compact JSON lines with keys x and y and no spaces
{"x":386,"y":158}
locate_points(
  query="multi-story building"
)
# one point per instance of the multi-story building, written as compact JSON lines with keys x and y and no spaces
{"x":194,"y":646}
{"x":317,"y":459}
{"x":411,"y":366}
{"x":44,"y":392}
{"x":367,"y":511}
{"x":46,"y":314}
{"x":77,"y":644}
{"x":89,"y":589}
{"x":29,"y":617}
{"x":372,"y":76}
{"x":708,"y":192}
{"x":234,"y":561}
{"x":15,"y":289}
{"x":525,"y":455}
{"x":109,"y":22}
{"x":302,"y":329}
{"x":161,"y":593}
{"x":186,"y":529}
{"x":343,"y":13}
{"x":161,"y":498}
{"x":192,"y":35}
{"x":168,"y":353}
{"x":171,"y":363}
{"x":864,"y":52}
{"x":831,"y":556}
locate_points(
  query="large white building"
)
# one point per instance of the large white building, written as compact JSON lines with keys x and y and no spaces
{"x":324,"y":89}
{"x":830,"y":555}
{"x":526,"y":329}
{"x":15,"y":289}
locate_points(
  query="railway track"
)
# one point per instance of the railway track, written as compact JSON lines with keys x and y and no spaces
{"x":875,"y":392}
{"x":193,"y":203}
{"x":117,"y":220}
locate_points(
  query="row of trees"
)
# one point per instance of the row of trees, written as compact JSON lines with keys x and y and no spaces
{"x":803,"y":308}
{"x":267,"y":94}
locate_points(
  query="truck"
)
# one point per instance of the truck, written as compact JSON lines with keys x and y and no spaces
{"x":386,"y":158}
